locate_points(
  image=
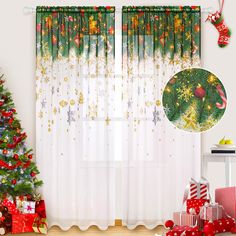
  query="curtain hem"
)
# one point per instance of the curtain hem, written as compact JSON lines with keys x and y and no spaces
{"x":82,"y":228}
{"x":147,"y":226}
{"x":104,"y":228}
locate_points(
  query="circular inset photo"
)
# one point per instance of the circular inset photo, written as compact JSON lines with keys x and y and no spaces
{"x":194,"y":100}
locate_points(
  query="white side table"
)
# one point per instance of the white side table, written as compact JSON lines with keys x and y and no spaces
{"x":225,"y":158}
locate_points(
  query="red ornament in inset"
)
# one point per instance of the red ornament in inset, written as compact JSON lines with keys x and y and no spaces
{"x":200,"y":92}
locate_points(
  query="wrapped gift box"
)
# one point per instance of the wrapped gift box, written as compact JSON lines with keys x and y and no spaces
{"x":186,"y":219}
{"x":28,"y":207}
{"x":195,"y":205}
{"x":10,"y":206}
{"x":211,"y":212}
{"x":187,"y":230}
{"x":199,"y":190}
{"x":40,"y":225}
{"x":227,"y":198}
{"x":23,"y":223}
{"x":222,"y":225}
{"x":19,"y":202}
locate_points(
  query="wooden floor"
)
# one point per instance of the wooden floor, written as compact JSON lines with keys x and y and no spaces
{"x":112,"y":231}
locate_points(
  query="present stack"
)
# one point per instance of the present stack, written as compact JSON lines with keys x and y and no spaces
{"x":22,"y":215}
{"x":201,"y":216}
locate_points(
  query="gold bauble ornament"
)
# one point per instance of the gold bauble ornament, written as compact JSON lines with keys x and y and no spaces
{"x":81,"y":98}
{"x":158,"y":103}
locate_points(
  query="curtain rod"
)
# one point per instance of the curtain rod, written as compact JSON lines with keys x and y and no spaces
{"x":32,"y":10}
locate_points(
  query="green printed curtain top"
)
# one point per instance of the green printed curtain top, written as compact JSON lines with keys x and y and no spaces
{"x":194,"y":100}
{"x":60,"y":29}
{"x":168,"y":29}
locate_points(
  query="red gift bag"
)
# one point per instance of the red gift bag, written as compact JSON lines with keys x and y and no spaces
{"x":23,"y":223}
{"x":41,"y":209}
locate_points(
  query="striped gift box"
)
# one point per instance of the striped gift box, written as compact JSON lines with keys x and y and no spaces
{"x":186,"y":219}
{"x":199,"y":190}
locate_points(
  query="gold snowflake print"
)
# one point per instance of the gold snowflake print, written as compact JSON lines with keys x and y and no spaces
{"x":185,"y":92}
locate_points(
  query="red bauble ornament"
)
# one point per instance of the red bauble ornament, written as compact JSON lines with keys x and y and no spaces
{"x":172,"y":81}
{"x":13,"y":181}
{"x":11,"y":121}
{"x":169,"y":224}
{"x":4,"y":151}
{"x":54,"y":39}
{"x":196,"y":28}
{"x":1,"y":103}
{"x":148,"y":27}
{"x":77,"y":40}
{"x":54,"y":14}
{"x":38,"y":27}
{"x":209,"y":229}
{"x":111,"y":30}
{"x":200,"y":92}
{"x":16,"y":156}
{"x":32,"y":174}
{"x":30,"y":156}
{"x":108,"y":7}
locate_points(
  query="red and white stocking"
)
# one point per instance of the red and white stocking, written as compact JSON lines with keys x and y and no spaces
{"x":217,"y":20}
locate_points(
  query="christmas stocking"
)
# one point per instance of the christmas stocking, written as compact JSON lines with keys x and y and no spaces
{"x":224,"y":32}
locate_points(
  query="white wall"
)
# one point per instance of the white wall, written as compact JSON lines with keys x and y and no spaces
{"x":17,"y":58}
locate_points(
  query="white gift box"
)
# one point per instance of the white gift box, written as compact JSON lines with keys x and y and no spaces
{"x":28,"y":207}
{"x":19,"y":203}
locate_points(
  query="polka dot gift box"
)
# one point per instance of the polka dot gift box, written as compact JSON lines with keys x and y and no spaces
{"x":194,"y":205}
{"x":184,"y":230}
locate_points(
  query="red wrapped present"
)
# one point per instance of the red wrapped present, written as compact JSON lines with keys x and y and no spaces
{"x":222,"y":225}
{"x":186,"y":230}
{"x":40,"y":209}
{"x":10,"y":206}
{"x":227,"y":198}
{"x":23,"y":223}
{"x":186,"y":219}
{"x":194,"y":205}
{"x":211,"y":211}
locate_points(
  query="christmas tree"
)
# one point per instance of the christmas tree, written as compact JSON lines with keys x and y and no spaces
{"x":17,"y":170}
{"x":194,"y":100}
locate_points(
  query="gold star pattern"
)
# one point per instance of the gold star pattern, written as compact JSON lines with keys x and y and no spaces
{"x":81,"y":98}
{"x":40,"y":114}
{"x":190,"y":119}
{"x":107,"y":120}
{"x":63,"y":103}
{"x":55,"y":110}
{"x":158,"y":103}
